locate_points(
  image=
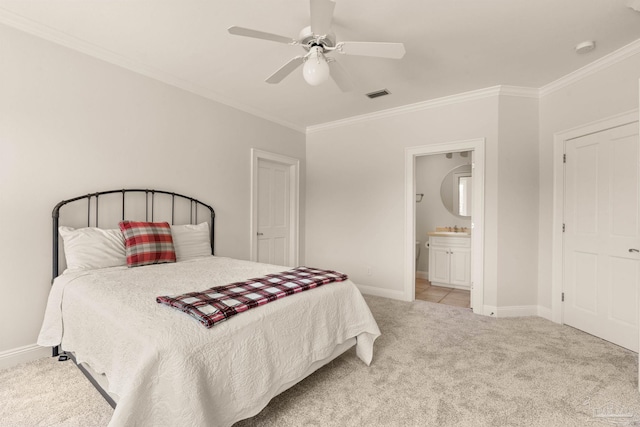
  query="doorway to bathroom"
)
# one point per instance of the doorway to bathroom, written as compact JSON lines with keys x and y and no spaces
{"x":455,"y":246}
{"x":444,"y":185}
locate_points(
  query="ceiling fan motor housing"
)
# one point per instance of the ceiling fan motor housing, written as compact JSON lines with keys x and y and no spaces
{"x":307,"y":39}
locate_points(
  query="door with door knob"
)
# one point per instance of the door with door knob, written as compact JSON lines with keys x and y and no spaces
{"x":273,"y":213}
{"x":602,"y":236}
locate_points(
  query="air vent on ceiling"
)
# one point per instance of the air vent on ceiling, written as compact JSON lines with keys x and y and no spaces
{"x":378,"y":93}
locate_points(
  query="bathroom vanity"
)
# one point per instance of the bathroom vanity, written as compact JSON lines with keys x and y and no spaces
{"x":450,"y":259}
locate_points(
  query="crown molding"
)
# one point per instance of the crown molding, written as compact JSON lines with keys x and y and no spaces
{"x":600,"y":64}
{"x":410,"y":108}
{"x":55,"y":36}
{"x":520,"y":91}
{"x":488,"y":92}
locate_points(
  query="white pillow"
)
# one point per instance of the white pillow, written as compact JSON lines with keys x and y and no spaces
{"x":191,"y":241}
{"x":90,"y":248}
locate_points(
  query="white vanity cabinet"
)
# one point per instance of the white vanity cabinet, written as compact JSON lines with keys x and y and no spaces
{"x":450,"y":261}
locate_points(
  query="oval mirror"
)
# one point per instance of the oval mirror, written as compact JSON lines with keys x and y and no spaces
{"x":455,"y":191}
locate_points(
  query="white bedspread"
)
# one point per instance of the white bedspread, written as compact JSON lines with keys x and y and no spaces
{"x":167,"y":369}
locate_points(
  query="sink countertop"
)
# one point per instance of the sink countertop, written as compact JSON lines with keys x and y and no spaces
{"x":449,"y":233}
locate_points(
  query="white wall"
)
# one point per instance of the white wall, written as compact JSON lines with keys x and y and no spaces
{"x":71,"y":124}
{"x":518,"y":202}
{"x":355,"y":190}
{"x":608,"y":92}
{"x":431,"y":212}
{"x":355,"y":194}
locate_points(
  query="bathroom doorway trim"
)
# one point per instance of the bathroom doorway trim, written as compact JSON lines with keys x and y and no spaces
{"x":477,"y":215}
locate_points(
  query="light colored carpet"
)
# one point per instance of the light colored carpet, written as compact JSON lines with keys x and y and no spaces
{"x":50,"y":393}
{"x":434,"y":365}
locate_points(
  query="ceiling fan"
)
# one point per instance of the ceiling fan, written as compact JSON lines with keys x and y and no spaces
{"x":318,"y":41}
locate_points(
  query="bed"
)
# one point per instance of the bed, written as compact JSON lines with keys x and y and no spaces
{"x":159,"y":366}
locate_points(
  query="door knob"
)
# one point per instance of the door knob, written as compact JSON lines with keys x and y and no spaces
{"x":633,"y":250}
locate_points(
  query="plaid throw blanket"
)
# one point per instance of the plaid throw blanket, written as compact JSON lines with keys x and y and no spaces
{"x":220,"y":303}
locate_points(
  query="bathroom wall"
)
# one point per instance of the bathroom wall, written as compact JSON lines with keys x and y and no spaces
{"x":431,"y":213}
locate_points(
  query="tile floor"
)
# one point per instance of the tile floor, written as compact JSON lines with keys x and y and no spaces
{"x":426,"y":292}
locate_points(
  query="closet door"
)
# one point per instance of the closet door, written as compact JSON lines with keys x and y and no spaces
{"x":602,"y":235}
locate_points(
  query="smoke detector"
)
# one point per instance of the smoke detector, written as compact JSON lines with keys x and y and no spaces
{"x":585,"y":47}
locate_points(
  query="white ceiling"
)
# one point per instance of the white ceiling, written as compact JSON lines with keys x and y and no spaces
{"x":453,"y":46}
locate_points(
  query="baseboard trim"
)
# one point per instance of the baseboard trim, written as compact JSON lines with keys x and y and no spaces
{"x":422,"y":275}
{"x":545,"y":313}
{"x":379,"y":292}
{"x":512,"y":311}
{"x":27,"y":353}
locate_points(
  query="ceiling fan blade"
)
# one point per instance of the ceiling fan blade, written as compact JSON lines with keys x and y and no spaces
{"x":321,"y":16}
{"x":340,"y":76}
{"x":285,"y":70}
{"x":247,"y":32}
{"x":382,"y":50}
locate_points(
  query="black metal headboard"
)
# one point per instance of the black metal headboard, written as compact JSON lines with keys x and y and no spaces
{"x":149,"y":210}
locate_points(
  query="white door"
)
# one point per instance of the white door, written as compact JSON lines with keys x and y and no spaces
{"x":273,"y":213}
{"x":601,"y":238}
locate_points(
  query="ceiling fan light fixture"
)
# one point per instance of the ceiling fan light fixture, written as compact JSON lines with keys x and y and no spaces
{"x":316,"y":69}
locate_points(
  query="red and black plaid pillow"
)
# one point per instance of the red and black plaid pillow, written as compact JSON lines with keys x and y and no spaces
{"x":147,"y":243}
